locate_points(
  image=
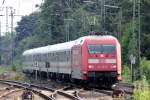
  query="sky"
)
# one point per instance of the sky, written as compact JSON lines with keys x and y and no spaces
{"x":21,"y":7}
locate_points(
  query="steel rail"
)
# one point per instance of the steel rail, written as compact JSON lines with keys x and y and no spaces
{"x":107,"y":92}
{"x":25,"y":86}
{"x":9,"y":92}
{"x":124,"y":87}
{"x":31,"y":86}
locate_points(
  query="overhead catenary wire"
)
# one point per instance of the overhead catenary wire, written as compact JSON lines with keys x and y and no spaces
{"x":19,"y":4}
{"x":3,"y":2}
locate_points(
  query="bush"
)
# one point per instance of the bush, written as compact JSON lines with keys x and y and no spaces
{"x":145,"y":68}
{"x":142,"y":91}
{"x":14,"y":68}
{"x":126,"y":74}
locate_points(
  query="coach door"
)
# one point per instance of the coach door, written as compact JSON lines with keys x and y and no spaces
{"x":77,"y":62}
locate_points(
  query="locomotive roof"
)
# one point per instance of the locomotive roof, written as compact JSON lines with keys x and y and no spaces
{"x":64,"y":46}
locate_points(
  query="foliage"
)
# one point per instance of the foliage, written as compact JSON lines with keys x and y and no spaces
{"x":145,"y":68}
{"x":4,"y":69}
{"x":126,"y":73}
{"x":126,"y":39}
{"x":14,"y":68}
{"x":27,"y":26}
{"x":6,"y":49}
{"x":142,"y":91}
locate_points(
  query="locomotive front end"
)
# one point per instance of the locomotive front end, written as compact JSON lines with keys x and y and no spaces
{"x":103,"y":60}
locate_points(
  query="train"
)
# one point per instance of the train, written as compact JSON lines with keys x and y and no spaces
{"x":90,"y":59}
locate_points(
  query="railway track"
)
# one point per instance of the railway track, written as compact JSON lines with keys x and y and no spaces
{"x":82,"y":92}
{"x":44,"y":92}
{"x":68,"y":92}
{"x":124,"y":90}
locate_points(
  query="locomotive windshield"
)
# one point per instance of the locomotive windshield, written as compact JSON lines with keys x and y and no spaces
{"x":101,"y":49}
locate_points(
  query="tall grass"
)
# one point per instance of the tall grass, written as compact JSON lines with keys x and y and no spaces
{"x":126,"y":74}
{"x":142,"y":91}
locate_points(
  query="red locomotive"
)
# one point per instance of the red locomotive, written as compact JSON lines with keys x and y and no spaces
{"x":89,"y":59}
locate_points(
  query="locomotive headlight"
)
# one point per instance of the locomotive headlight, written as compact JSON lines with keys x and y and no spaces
{"x":114,"y":66}
{"x":101,"y":55}
{"x":91,"y":66}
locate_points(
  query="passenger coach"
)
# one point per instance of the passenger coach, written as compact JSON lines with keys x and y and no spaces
{"x":89,"y":58}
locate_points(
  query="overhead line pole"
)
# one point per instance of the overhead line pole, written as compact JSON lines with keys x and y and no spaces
{"x":104,"y":16}
{"x":0,"y":44}
{"x":133,"y":32}
{"x":7,"y":29}
{"x":12,"y":35}
{"x":12,"y":42}
{"x":6,"y":19}
{"x":3,"y":2}
{"x":139,"y":32}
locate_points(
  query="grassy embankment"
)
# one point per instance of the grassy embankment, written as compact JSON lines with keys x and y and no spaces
{"x":10,"y":73}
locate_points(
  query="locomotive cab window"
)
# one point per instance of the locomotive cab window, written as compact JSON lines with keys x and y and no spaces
{"x":108,"y":48}
{"x":94,"y":49}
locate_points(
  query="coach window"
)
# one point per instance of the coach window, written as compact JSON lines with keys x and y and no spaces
{"x":49,"y":56}
{"x":47,"y":64}
{"x":66,"y":55}
{"x":52,"y":57}
{"x":69,"y":55}
{"x":56,"y":56}
{"x":37,"y":57}
{"x":59,"y":56}
{"x":44,"y":57}
{"x":62,"y":56}
{"x":33,"y":57}
{"x":58,"y":59}
{"x":40,"y":57}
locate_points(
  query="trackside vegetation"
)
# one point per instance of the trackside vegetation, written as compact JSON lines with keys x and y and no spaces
{"x":142,"y":90}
